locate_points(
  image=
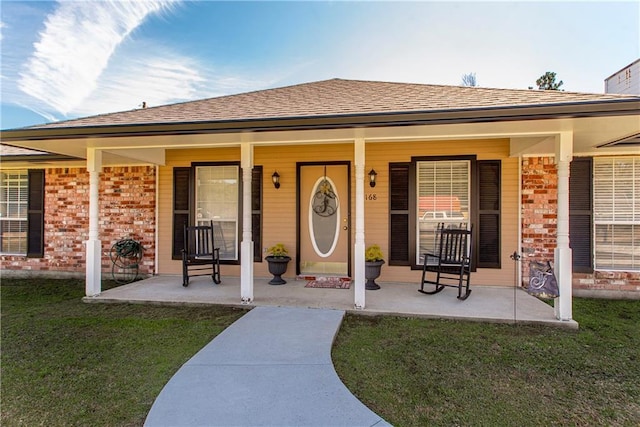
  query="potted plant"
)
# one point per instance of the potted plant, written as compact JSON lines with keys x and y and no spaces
{"x":373,"y":264}
{"x":278,"y":259}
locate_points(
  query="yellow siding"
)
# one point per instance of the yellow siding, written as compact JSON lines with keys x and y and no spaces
{"x":379,"y":155}
{"x":279,"y":205}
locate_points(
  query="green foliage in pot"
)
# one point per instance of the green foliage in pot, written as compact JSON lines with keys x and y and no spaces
{"x":373,"y":253}
{"x":278,"y":251}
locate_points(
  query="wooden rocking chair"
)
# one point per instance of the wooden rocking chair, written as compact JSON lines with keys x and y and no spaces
{"x":452,"y":263}
{"x":200,"y":254}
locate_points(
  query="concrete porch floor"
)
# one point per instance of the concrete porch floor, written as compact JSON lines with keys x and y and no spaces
{"x":485,"y":304}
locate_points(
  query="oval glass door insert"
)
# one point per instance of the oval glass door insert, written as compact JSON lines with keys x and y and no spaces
{"x":324,"y":215}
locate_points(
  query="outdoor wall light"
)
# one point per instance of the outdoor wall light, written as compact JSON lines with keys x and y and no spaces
{"x":372,"y":178}
{"x":276,"y":179}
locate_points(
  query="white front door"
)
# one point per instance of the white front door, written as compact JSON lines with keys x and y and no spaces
{"x":324,"y":220}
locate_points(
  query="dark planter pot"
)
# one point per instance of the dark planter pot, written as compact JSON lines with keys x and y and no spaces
{"x":371,"y":273}
{"x":277,"y":267}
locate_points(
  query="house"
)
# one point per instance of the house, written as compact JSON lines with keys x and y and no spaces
{"x":548,"y":175}
{"x":625,"y":81}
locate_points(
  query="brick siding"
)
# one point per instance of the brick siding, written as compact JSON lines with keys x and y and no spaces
{"x":539,"y":211}
{"x":621,"y":281}
{"x":127,"y":209}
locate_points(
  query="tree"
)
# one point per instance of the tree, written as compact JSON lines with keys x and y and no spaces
{"x":547,"y":81}
{"x":469,"y":80}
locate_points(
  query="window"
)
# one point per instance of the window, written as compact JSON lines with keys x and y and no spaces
{"x":212,"y":192}
{"x":616,"y":204}
{"x":442,"y":197}
{"x":217,"y":200}
{"x":14,"y":196}
{"x":22,"y":212}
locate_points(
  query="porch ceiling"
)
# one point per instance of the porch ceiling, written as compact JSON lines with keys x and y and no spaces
{"x":591,"y":135}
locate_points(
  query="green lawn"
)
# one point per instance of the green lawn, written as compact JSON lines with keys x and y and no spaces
{"x":65,"y":362}
{"x":416,"y":372}
{"x":69,"y":363}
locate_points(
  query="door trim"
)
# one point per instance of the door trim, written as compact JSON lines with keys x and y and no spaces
{"x":299,"y":166}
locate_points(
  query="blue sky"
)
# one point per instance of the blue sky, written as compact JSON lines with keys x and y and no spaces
{"x":68,"y":59}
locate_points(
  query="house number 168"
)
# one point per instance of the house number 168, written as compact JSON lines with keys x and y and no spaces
{"x":373,"y":196}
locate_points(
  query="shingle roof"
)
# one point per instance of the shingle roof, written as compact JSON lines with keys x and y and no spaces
{"x":7,"y":150}
{"x":336,"y":97}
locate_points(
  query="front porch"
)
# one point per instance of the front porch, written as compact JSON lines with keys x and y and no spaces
{"x":486,"y":303}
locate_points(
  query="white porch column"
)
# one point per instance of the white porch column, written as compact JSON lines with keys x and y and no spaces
{"x":93,"y":274}
{"x":562,"y":253}
{"x":246,"y":247}
{"x":359,"y":277}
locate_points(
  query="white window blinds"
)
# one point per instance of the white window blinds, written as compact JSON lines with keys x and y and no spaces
{"x":443,"y":197}
{"x":14,"y":196}
{"x":616,"y":199}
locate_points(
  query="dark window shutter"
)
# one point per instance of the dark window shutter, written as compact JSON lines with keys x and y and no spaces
{"x":399,"y":214}
{"x":399,"y":240}
{"x":580,"y":214}
{"x":181,"y":204}
{"x":488,"y":236}
{"x":256,"y":212}
{"x":35,"y":214}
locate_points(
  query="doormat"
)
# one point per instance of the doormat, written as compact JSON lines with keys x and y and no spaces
{"x":329,"y":282}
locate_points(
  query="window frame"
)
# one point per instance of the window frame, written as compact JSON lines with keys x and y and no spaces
{"x":414,"y":208}
{"x":194,"y":218}
{"x":16,"y":180}
{"x":34,"y":215}
{"x":597,"y":198}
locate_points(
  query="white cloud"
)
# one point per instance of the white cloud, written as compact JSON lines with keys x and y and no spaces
{"x":45,"y":114}
{"x":84,"y":64}
{"x":153,"y":79}
{"x":148,"y":72}
{"x":75,"y":47}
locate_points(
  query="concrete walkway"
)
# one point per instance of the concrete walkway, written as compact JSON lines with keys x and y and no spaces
{"x":272,"y":367}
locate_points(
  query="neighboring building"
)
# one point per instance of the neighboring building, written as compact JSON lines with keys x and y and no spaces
{"x":625,"y":81}
{"x":536,"y":172}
